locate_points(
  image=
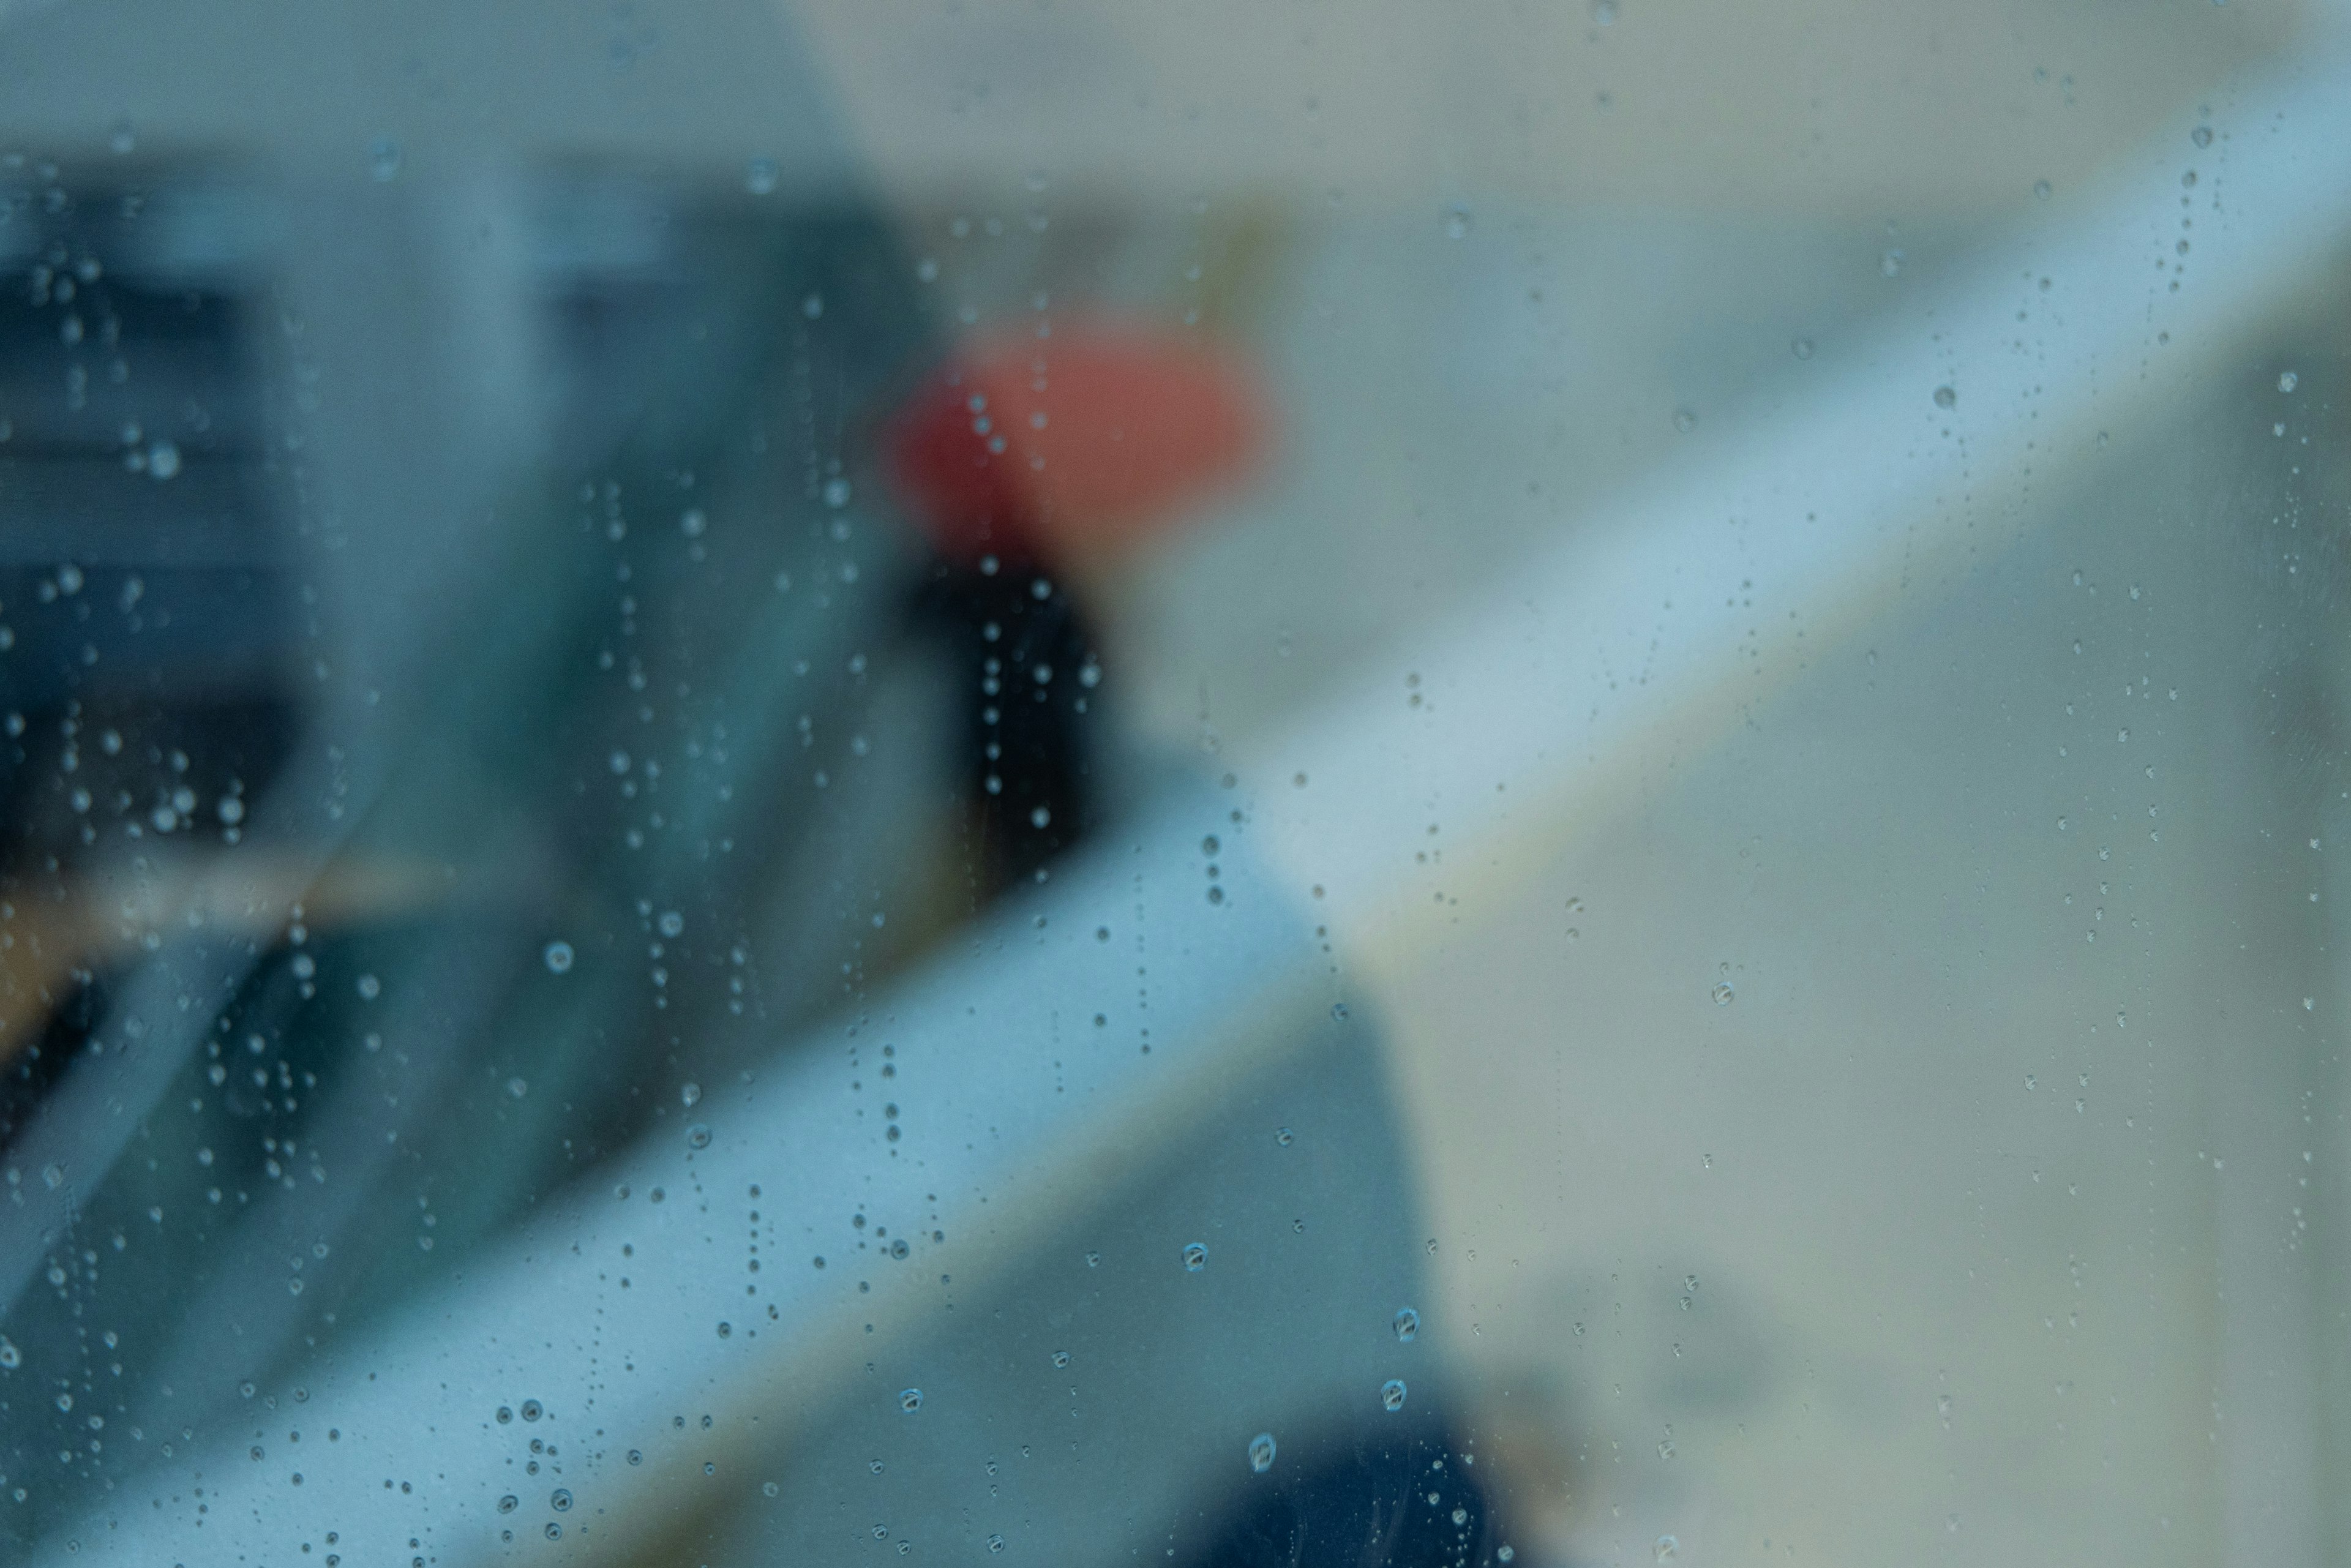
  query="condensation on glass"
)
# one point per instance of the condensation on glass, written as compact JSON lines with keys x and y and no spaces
{"x":1219,"y":785}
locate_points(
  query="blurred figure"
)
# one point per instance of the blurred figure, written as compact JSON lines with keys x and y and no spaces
{"x":1032,"y":462}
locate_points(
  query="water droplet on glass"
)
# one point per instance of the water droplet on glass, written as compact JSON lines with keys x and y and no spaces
{"x":1261,"y":1452}
{"x":532,"y":1409}
{"x":1666,"y":1547}
{"x":1723,"y":993}
{"x":672,"y":923}
{"x":562,"y":1501}
{"x":509,"y":1503}
{"x":2288,"y":380}
{"x":2040,"y":189}
{"x":1407,"y":1324}
{"x":910,"y":1400}
{"x":1801,"y":348}
{"x":2201,"y":136}
{"x":1458,"y":222}
{"x":558,"y":957}
{"x":690,"y":1094}
{"x":1195,"y":1255}
{"x":1283,"y":1136}
{"x":697,"y":1137}
{"x":1061,"y":1358}
{"x":163,"y":460}
{"x":1889,"y":264}
{"x":1945,"y":397}
{"x":995,"y":1544}
{"x":1392,"y":1395}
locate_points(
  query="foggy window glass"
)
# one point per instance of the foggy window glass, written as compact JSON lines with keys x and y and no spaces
{"x":1216,"y":785}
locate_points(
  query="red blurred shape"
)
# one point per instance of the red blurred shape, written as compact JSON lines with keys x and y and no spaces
{"x":1073,"y":446}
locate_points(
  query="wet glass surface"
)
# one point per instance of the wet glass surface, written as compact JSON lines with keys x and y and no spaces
{"x":1220,"y":785}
